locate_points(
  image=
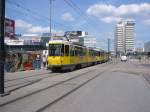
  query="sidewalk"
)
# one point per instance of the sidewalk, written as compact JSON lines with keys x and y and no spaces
{"x":19,"y":74}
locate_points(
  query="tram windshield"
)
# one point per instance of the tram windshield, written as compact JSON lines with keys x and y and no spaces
{"x":56,"y":49}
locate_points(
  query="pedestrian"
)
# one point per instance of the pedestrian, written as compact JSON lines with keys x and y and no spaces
{"x":44,"y":60}
{"x":139,"y":58}
{"x":38,"y":61}
{"x":7,"y":63}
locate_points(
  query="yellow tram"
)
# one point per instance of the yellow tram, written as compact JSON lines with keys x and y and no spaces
{"x":66,"y":55}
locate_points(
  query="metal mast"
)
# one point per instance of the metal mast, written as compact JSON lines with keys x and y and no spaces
{"x":50,"y":19}
{"x":2,"y":48}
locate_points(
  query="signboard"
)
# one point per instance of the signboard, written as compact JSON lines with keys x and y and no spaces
{"x":76,"y":33}
{"x":9,"y":28}
{"x":36,"y":40}
{"x":73,"y":33}
{"x":58,"y":38}
{"x":14,"y":42}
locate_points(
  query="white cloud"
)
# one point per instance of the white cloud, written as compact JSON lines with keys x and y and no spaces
{"x":38,"y":29}
{"x":29,"y":28}
{"x":22,"y":24}
{"x":30,"y":35}
{"x":67,"y":17}
{"x":111,"y":19}
{"x":110,"y":13}
{"x":100,"y":10}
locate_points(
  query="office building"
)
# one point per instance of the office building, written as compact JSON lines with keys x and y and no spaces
{"x":124,"y":36}
{"x":89,"y":41}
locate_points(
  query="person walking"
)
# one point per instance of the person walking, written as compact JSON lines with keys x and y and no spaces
{"x":44,"y":60}
{"x":139,"y":58}
{"x":38,"y":61}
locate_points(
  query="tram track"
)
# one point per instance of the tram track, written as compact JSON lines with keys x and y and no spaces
{"x":35,"y":75}
{"x":27,"y":82}
{"x":41,"y":91}
{"x":70,"y":92}
{"x":41,"y":74}
{"x":26,"y":79}
{"x":19,"y":87}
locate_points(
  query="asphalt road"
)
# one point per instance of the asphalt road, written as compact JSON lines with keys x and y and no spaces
{"x":110,"y":87}
{"x":120,"y":89}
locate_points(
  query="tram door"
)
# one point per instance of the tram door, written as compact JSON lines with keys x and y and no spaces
{"x":66,"y":55}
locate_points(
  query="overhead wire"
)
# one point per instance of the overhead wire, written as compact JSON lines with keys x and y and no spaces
{"x":85,"y":16}
{"x":80,"y":12}
{"x":34,"y":13}
{"x":24,"y":13}
{"x":76,"y":9}
{"x":79,"y":9}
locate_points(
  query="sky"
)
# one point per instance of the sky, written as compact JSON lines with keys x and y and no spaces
{"x":97,"y":17}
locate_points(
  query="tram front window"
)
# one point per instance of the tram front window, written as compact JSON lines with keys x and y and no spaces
{"x":56,"y":49}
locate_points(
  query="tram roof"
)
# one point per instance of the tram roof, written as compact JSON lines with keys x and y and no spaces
{"x":68,"y":42}
{"x":64,"y":42}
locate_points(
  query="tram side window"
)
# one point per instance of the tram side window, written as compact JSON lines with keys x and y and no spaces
{"x":84,"y":52}
{"x":90,"y":52}
{"x":81,"y":52}
{"x":94,"y":53}
{"x":99,"y":53}
{"x":66,"y":50}
{"x":62,"y":50}
{"x":56,"y":50}
{"x":102,"y":53}
{"x":76,"y":52}
{"x":71,"y":52}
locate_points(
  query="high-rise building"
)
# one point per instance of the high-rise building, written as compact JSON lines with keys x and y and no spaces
{"x":90,"y":41}
{"x":124,"y":36}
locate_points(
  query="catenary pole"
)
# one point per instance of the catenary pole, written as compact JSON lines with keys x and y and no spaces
{"x":108,"y":48}
{"x":2,"y":47}
{"x":108,"y":45}
{"x":50,"y":19}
